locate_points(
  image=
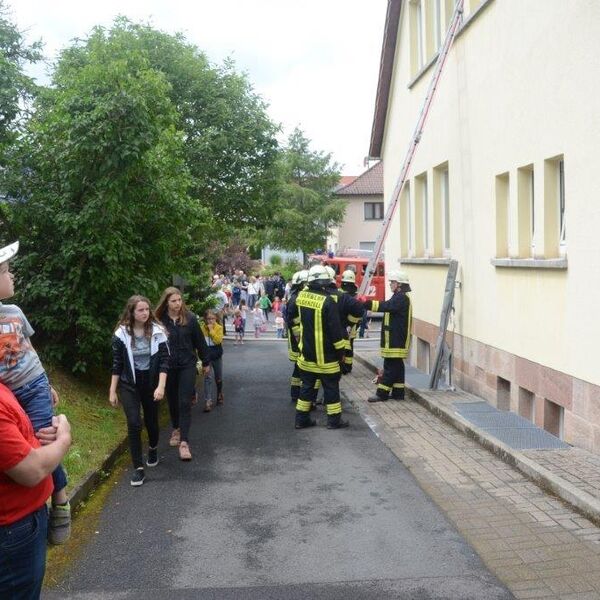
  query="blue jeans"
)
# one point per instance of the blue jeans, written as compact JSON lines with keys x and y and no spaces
{"x":36,"y":399}
{"x":23,"y":556}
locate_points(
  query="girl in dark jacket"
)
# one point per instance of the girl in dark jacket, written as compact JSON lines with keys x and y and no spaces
{"x":186,"y":342}
{"x":139,"y":374}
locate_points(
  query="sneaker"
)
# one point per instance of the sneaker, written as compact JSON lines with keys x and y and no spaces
{"x":138,"y":477}
{"x":59,"y":524}
{"x":152,"y":460}
{"x":184,"y":451}
{"x":208,"y":406}
{"x":175,"y":438}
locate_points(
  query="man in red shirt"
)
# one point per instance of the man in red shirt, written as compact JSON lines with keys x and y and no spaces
{"x":25,"y":486}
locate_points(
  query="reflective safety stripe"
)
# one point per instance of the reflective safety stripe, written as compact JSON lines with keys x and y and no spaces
{"x":348,"y":360}
{"x":340,"y":345}
{"x":354,"y":319}
{"x":347,"y":345}
{"x":303,"y":405}
{"x":313,"y":367}
{"x":394,"y":352}
{"x":317,"y":385}
{"x":334,"y":409}
{"x":398,"y":385}
{"x":386,"y":388}
{"x":386,"y":325}
{"x":293,"y":356}
{"x":375,"y":306}
{"x":319,"y":342}
{"x":295,"y":381}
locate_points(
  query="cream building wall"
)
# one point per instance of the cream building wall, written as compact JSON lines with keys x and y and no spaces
{"x":356,"y":228}
{"x":519,"y":89}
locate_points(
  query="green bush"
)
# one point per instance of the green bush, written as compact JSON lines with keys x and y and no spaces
{"x":275,"y":260}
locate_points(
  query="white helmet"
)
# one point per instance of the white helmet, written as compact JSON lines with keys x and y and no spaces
{"x":348,"y":276}
{"x":299,"y":277}
{"x":331,"y":272}
{"x":318,"y":273}
{"x":398,"y":276}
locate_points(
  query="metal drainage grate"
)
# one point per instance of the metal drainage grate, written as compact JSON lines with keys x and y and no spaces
{"x":513,"y":430}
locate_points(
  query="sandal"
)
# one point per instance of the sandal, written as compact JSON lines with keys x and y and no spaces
{"x":184,"y":451}
{"x":175,"y":438}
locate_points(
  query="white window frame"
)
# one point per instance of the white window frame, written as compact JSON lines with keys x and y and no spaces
{"x":438,"y":23}
{"x":561,"y":207}
{"x":421,"y":48}
{"x":445,"y":205}
{"x":425,"y":214}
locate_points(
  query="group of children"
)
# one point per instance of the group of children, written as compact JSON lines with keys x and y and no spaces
{"x":260,"y":317}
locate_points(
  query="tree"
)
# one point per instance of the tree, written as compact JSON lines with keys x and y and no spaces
{"x":102,"y":206}
{"x":16,"y":89}
{"x":230,"y":145}
{"x":308,"y":207}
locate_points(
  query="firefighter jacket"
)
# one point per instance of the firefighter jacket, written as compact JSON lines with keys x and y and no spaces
{"x":397,"y":321}
{"x":321,"y":343}
{"x":292,"y":319}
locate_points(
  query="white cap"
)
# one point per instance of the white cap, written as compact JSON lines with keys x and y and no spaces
{"x":9,"y":251}
{"x":398,"y":276}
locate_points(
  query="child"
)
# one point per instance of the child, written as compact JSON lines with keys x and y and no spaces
{"x":276,"y":305}
{"x":21,"y":370}
{"x":213,"y":335}
{"x":265,"y":304}
{"x":279,"y":324}
{"x":139,"y":374}
{"x":238,"y":324}
{"x":244,"y":310}
{"x":257,"y":314}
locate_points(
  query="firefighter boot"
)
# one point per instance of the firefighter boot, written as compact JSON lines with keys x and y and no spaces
{"x":377,"y":398}
{"x":336,"y":422}
{"x":303,"y":419}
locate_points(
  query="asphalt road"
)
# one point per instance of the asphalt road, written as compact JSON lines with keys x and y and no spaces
{"x":267,"y":512}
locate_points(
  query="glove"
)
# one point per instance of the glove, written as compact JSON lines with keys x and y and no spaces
{"x":345,"y":369}
{"x":368,"y":304}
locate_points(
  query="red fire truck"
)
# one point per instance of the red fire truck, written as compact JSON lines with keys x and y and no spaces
{"x":357,"y":261}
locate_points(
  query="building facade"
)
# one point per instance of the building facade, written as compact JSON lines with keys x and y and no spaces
{"x":504,"y":181}
{"x":364,"y":212}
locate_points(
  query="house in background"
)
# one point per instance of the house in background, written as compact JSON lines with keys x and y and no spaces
{"x":364,"y":212}
{"x":504,"y":181}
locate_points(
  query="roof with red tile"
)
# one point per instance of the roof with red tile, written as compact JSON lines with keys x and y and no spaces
{"x":370,"y":183}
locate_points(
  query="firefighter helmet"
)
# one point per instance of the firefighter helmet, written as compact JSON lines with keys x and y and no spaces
{"x":318,"y":273}
{"x":348,"y":276}
{"x":331,"y":272}
{"x":302,"y":276}
{"x":398,"y":276}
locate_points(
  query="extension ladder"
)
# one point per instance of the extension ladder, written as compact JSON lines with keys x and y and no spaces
{"x":416,"y":138}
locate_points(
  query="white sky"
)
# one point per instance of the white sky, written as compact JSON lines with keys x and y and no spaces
{"x":315,"y":62}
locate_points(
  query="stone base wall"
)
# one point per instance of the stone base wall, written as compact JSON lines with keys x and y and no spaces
{"x":562,"y":404}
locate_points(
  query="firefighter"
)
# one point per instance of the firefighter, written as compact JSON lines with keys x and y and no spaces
{"x":321,"y":348}
{"x":354,"y":316}
{"x":395,"y":337}
{"x":298,"y":282}
{"x":350,"y":311}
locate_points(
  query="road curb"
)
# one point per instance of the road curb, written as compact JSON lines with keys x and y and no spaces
{"x":94,"y":477}
{"x":585,"y":503}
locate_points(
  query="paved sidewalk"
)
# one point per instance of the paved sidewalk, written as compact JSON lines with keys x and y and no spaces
{"x":535,"y":543}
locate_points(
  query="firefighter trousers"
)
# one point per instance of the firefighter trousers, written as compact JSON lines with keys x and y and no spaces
{"x":392,"y":381}
{"x":308,"y":395}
